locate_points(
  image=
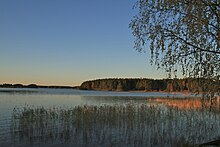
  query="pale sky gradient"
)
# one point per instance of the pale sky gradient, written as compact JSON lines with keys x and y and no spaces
{"x":65,"y":42}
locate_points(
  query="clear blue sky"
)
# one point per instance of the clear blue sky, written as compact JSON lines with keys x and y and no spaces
{"x":65,"y":42}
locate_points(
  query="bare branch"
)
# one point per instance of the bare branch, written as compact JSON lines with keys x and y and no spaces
{"x":191,"y":44}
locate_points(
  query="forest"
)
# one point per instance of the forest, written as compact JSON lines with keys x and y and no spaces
{"x":143,"y":84}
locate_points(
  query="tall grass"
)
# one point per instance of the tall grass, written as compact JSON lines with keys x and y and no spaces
{"x":115,"y":125}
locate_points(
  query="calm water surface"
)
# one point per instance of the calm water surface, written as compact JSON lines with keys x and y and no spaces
{"x":105,"y":121}
{"x":19,"y":97}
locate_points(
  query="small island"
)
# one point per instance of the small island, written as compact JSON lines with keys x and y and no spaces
{"x":35,"y":86}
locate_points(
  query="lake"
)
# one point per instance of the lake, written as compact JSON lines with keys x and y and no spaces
{"x":69,"y":117}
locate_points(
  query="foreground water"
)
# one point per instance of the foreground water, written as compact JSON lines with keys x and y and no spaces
{"x":66,"y":117}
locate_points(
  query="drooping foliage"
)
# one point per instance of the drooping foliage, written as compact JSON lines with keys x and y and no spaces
{"x":182,"y":35}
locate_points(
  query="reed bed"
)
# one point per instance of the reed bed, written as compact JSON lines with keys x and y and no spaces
{"x":129,"y":124}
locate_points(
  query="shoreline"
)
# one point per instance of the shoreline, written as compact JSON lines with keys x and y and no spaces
{"x":104,"y":90}
{"x":36,"y":86}
{"x":183,"y":94}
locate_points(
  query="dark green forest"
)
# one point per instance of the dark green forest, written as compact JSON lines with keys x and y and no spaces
{"x":169,"y":85}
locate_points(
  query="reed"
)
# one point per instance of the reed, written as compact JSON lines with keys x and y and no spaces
{"x":130,"y":124}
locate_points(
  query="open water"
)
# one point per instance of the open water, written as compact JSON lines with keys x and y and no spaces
{"x":95,"y":118}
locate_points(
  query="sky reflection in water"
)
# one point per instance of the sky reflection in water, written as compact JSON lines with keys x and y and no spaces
{"x":58,"y":117}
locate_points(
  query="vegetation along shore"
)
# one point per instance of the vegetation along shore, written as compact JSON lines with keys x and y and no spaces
{"x":143,"y":84}
{"x":133,"y":84}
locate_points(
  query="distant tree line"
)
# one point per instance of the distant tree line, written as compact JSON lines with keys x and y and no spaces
{"x":187,"y":84}
{"x":33,"y":86}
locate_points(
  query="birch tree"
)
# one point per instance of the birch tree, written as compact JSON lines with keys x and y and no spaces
{"x":182,"y":35}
